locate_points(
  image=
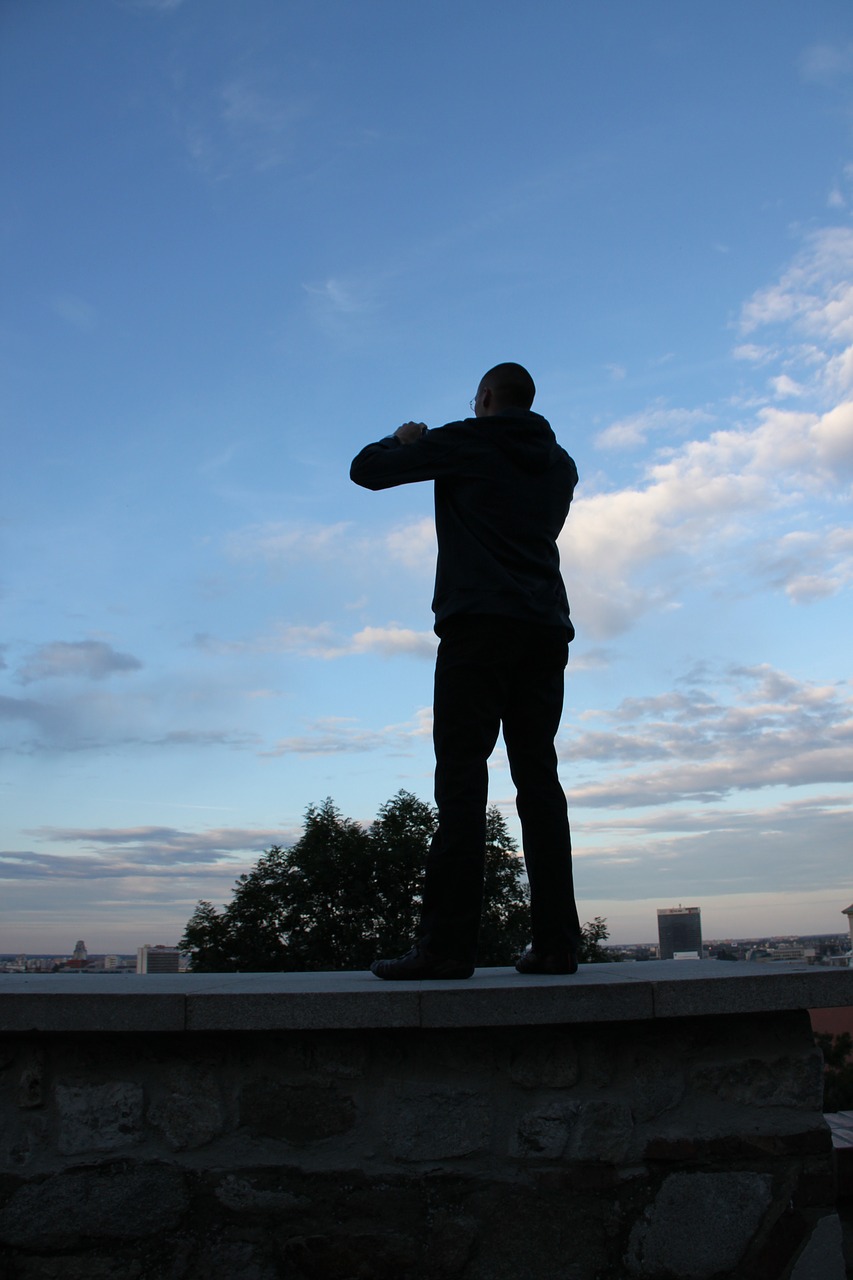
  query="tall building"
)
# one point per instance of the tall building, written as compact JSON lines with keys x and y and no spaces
{"x":80,"y":952}
{"x":679,"y":931}
{"x":157,"y":959}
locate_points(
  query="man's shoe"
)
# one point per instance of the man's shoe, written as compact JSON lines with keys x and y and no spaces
{"x":532,"y":962}
{"x":419,"y":964}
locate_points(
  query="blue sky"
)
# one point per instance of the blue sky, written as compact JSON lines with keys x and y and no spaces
{"x":240,"y":241}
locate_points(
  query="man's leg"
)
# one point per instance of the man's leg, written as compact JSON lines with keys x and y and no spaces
{"x":531,"y":719}
{"x":466,"y":722}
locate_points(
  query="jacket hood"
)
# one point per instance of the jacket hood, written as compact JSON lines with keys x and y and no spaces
{"x":524,"y":437}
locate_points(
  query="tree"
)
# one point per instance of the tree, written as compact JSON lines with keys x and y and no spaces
{"x":505,"y":922}
{"x":342,"y":895}
{"x":593,"y":933}
{"x":837,"y":1071}
{"x":400,"y":838}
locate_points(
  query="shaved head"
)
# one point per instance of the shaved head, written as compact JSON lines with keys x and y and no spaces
{"x":511,"y":386}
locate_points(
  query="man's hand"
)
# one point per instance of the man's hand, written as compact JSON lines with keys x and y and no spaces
{"x":409,"y":432}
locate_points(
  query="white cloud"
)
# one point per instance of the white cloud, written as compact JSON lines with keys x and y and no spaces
{"x":635,"y":429}
{"x":89,"y":659}
{"x":342,"y":305}
{"x":833,"y":438}
{"x":696,"y":743}
{"x":259,"y":122}
{"x":247,"y":124}
{"x":322,"y":641}
{"x":807,"y":566}
{"x":414,"y":544}
{"x":698,"y":507}
{"x":94,"y":718}
{"x":25,"y":710}
{"x":76,"y":312}
{"x":827,"y":63}
{"x":753,"y":352}
{"x":345,"y":297}
{"x":392,"y":640}
{"x":166,"y":846}
{"x":690,"y":853}
{"x":335,"y":735}
{"x":621,"y":551}
{"x":815,"y":294}
{"x":784,"y":388}
{"x":284,"y":542}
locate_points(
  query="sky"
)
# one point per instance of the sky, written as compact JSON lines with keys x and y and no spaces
{"x":243,"y":238}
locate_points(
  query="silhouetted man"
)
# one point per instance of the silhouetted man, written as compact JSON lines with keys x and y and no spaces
{"x":503,"y":486}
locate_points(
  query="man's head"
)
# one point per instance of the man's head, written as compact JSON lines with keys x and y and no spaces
{"x":507,"y":386}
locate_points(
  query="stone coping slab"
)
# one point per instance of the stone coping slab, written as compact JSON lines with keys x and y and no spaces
{"x":493,"y":997}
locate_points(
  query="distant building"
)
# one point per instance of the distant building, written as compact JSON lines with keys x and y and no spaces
{"x":778,"y":952}
{"x":80,"y":952}
{"x":848,"y":912}
{"x":680,"y":932}
{"x":157,"y":959}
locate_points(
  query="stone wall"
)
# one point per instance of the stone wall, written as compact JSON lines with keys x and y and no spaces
{"x":685,"y":1146}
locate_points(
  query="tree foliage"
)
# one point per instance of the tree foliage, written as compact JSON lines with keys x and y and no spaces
{"x":838,"y":1070}
{"x":593,"y":933}
{"x":343,"y":895}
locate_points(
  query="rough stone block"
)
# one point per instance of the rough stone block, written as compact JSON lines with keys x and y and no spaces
{"x":82,"y":1267}
{"x":242,"y":1197}
{"x":526,"y":1236}
{"x":98,"y":1117}
{"x":391,"y":1255}
{"x":188,"y":1119}
{"x":790,"y":1081}
{"x":772,"y":1140}
{"x":599,"y":1059}
{"x":657,"y":1085}
{"x":602,"y":1131}
{"x":545,"y":1061}
{"x":31,"y":1080}
{"x":590,"y":1131}
{"x":544,"y":1131}
{"x":438,"y":1124}
{"x":699,"y":1225}
{"x":341,"y":1056}
{"x":23,"y":1134}
{"x":295,"y":1113}
{"x":221,"y":1258}
{"x":451,"y":1240}
{"x":111,"y":1202}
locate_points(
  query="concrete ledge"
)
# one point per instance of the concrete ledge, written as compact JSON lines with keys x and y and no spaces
{"x":493,"y":997}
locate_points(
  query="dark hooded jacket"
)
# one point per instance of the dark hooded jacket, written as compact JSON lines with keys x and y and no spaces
{"x":503,"y":487}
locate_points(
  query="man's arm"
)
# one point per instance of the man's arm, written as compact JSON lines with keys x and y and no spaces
{"x":411,"y":454}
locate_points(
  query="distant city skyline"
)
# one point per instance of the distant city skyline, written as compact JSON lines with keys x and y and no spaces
{"x":240,"y":242}
{"x":747,"y":939}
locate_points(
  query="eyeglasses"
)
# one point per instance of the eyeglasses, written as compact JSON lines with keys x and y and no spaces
{"x":473,"y":403}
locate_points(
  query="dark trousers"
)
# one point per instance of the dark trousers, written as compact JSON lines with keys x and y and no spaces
{"x":489,"y":672}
